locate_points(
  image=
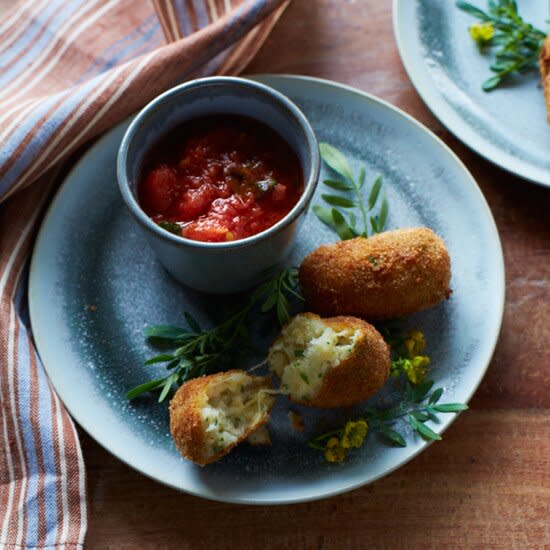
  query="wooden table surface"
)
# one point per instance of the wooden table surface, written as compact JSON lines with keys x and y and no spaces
{"x":487,"y":484}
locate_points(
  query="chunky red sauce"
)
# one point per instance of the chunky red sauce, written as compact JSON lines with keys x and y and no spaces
{"x":220,"y":178}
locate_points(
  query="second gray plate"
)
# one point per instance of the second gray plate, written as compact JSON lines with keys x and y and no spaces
{"x":508,"y":126}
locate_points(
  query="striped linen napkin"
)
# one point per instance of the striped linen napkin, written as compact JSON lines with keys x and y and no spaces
{"x":69,"y":70}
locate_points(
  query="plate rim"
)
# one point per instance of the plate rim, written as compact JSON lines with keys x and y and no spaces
{"x":95,"y":432}
{"x":448,"y":116}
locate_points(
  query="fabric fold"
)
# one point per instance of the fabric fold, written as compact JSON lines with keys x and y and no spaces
{"x":69,"y":71}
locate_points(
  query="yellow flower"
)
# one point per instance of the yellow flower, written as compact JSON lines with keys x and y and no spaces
{"x":334,"y":452}
{"x":415,"y":343}
{"x":482,"y":33}
{"x":416,"y":368}
{"x":354,"y":434}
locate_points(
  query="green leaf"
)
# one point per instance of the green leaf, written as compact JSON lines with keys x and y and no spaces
{"x":336,"y":200}
{"x":344,"y":231}
{"x":144,"y":388}
{"x":436,"y":396}
{"x":269,"y":303}
{"x":472,"y":10}
{"x":421,"y":416}
{"x":450,"y":407}
{"x":192,"y":322}
{"x":336,"y":160}
{"x":165,"y":332}
{"x":361,"y":178}
{"x":282,"y":310}
{"x":374,"y":224}
{"x":169,"y":382}
{"x":338,"y":185}
{"x":324,"y":214}
{"x":423,"y":430}
{"x":173,"y":364}
{"x":491,"y":83}
{"x":383,"y":216}
{"x":374,"y":192}
{"x":421,"y":391}
{"x":162,"y":358}
{"x":392,"y":437}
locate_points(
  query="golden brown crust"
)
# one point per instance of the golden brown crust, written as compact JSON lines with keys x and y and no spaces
{"x":545,"y":72}
{"x":186,"y":423}
{"x":389,"y":275}
{"x":359,"y":376}
{"x":185,"y":419}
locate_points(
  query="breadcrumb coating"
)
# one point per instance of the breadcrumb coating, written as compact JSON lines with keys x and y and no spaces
{"x":389,"y":275}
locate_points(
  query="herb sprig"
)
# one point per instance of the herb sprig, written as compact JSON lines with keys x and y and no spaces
{"x":197,"y":351}
{"x":420,"y":405}
{"x":348,"y":223}
{"x":501,"y":26}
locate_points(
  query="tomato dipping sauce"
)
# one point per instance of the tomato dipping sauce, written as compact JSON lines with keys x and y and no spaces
{"x":220,"y":178}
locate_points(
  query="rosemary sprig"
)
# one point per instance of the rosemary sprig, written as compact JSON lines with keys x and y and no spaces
{"x":501,"y":26}
{"x":198,"y":351}
{"x":345,"y":222}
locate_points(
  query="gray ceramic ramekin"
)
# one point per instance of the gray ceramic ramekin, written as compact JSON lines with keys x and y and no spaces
{"x":226,"y":267}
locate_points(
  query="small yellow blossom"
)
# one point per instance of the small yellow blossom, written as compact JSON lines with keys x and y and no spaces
{"x":416,"y":368}
{"x":354,"y":434}
{"x":334,"y":452}
{"x":482,"y":33}
{"x":415,"y":343}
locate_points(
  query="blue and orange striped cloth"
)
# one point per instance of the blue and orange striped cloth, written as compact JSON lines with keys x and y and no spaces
{"x":69,"y":70}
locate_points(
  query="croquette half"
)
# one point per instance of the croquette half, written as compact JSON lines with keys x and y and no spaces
{"x":388,"y":275}
{"x":327,"y":363}
{"x":212,"y":414}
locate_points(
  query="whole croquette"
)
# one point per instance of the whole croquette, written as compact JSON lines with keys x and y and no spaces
{"x":212,"y":414}
{"x":335,"y":362}
{"x":389,"y":275}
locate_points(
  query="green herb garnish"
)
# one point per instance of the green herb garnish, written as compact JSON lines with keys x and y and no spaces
{"x":420,"y":405}
{"x":174,"y":228}
{"x":341,"y":216}
{"x":198,"y":351}
{"x":501,"y":26}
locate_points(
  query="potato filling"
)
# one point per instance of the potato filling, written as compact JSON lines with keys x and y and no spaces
{"x":305,"y":351}
{"x":233,"y":406}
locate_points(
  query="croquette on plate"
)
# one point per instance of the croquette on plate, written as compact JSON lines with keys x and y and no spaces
{"x":334,"y":362}
{"x":212,"y":414}
{"x":388,"y":275}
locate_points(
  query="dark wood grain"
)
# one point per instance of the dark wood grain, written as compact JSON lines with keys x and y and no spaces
{"x":486,"y":485}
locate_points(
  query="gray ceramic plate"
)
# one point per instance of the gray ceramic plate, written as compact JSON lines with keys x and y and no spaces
{"x":89,"y":252}
{"x":507,"y":126}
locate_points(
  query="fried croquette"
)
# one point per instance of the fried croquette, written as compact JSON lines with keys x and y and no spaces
{"x":335,"y":362}
{"x":545,"y":71}
{"x":212,"y":414}
{"x":389,"y":275}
